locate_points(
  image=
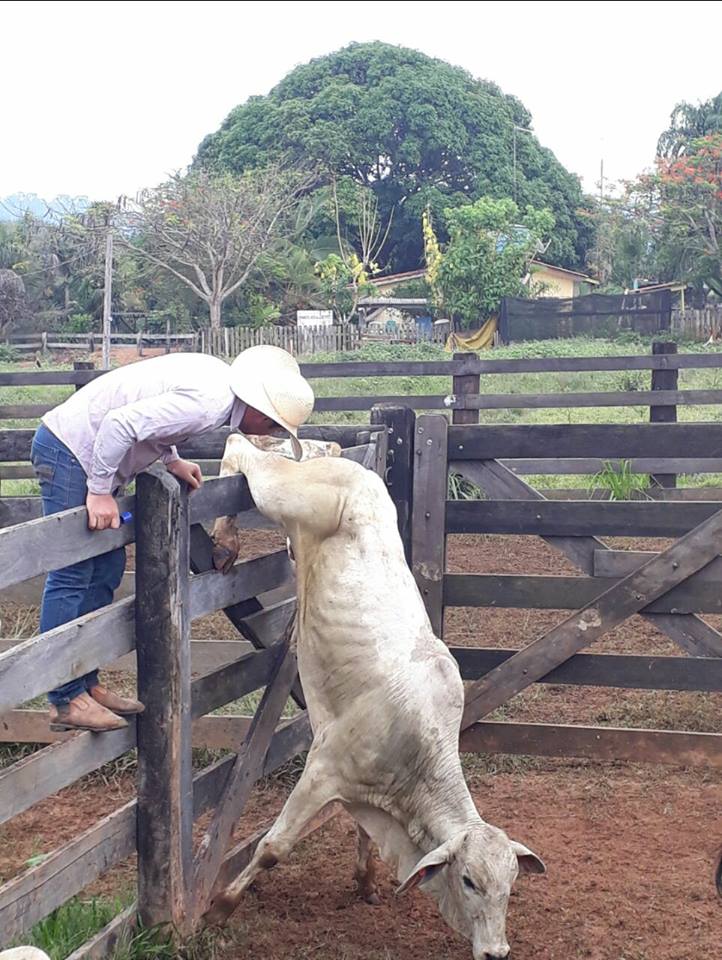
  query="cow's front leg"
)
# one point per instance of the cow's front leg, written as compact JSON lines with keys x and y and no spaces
{"x":366,"y":868}
{"x":314,"y":790}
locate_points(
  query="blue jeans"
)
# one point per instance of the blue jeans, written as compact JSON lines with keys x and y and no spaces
{"x":85,"y":586}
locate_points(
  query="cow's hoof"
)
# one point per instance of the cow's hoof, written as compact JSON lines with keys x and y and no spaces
{"x":219,"y":911}
{"x":373,"y":899}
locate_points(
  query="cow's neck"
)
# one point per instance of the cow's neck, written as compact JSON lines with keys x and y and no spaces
{"x":434,"y":812}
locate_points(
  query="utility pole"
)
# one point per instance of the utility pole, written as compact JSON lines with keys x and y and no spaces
{"x":107,"y":297}
{"x":514,"y":128}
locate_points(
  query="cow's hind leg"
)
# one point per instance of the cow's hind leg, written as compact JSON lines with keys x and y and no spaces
{"x":366,"y":868}
{"x":313,"y":791}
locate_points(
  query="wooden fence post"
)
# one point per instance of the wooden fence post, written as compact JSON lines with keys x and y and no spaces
{"x":165,"y":775}
{"x":428,"y":518}
{"x":465,"y":386}
{"x":399,"y":422}
{"x":82,"y":365}
{"x":664,"y":380}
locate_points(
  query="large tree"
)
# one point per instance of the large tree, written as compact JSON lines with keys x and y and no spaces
{"x":690,"y":206}
{"x":211,"y":230}
{"x":420,"y":132}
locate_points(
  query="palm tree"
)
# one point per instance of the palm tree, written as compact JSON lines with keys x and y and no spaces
{"x":688,"y":122}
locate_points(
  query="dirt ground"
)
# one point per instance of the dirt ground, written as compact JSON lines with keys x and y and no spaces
{"x":629,"y":848}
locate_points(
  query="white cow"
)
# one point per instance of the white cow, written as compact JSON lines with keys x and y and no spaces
{"x":23,"y":953}
{"x":384,"y":698}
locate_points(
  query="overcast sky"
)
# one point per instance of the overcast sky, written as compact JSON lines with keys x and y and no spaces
{"x":101,"y":99}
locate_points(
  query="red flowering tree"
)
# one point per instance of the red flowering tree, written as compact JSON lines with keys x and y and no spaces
{"x":689,"y":212}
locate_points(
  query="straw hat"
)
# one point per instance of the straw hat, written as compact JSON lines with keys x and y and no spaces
{"x":269,"y":380}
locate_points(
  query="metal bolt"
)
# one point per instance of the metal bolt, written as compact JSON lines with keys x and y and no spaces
{"x":399,"y":442}
{"x":461,"y":446}
{"x":429,"y":442}
{"x":427,"y":514}
{"x":675,"y":564}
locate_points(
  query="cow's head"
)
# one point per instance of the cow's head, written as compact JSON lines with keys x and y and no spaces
{"x":471,"y":876}
{"x":227,"y":530}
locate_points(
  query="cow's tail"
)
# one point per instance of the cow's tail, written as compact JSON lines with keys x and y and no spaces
{"x":718,"y":873}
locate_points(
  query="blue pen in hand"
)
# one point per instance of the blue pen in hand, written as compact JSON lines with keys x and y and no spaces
{"x":126,"y":517}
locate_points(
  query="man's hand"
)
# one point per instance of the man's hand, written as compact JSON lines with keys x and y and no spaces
{"x":102,"y":511}
{"x":187,"y":471}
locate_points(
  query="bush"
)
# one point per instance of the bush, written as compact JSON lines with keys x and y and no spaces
{"x":8,"y":355}
{"x":79,"y":323}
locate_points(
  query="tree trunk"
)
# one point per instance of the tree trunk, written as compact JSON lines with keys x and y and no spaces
{"x":214,"y":307}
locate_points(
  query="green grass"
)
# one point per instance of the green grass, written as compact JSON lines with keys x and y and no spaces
{"x":71,"y":925}
{"x":76,"y":921}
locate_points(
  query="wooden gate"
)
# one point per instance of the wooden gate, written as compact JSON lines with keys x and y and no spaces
{"x":669,"y":588}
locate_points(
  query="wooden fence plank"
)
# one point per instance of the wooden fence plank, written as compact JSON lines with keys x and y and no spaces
{"x":575,"y":518}
{"x":216,"y":732}
{"x":34,"y":666}
{"x":220,"y":498}
{"x":165,"y":776}
{"x":586,"y":465}
{"x":666,"y":571}
{"x":246,"y":771}
{"x":671,"y":494}
{"x":213,"y":591}
{"x":232,"y":681}
{"x":24,"y":411}
{"x":43,"y":773}
{"x":626,"y":671}
{"x":603,"y":398}
{"x":423,"y":401}
{"x":53,"y":542}
{"x":569,"y":593}
{"x":680,"y":749}
{"x":620,"y":563}
{"x":604,"y":441}
{"x":428,"y":553}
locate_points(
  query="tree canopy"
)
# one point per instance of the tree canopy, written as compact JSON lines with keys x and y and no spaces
{"x":688,"y":122}
{"x":491,"y":244}
{"x":417,"y":131}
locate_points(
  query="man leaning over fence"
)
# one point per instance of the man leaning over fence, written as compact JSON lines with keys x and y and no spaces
{"x":91,"y":446}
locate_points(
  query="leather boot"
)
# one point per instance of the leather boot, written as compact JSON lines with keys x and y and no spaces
{"x":123,"y":706}
{"x":83,"y":713}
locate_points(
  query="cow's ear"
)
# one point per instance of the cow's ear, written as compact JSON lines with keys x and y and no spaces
{"x":427,"y":867}
{"x":528,"y":861}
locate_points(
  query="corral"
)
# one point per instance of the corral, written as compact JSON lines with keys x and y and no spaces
{"x":668,"y":584}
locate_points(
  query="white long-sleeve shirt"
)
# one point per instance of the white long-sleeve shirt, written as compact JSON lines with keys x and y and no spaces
{"x":125,"y":420}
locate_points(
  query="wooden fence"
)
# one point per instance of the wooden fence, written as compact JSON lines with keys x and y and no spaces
{"x":669,"y":589}
{"x":181,"y":683}
{"x":175,"y":584}
{"x":54,"y":341}
{"x":701,"y":324}
{"x":464,"y":401}
{"x":300,"y":341}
